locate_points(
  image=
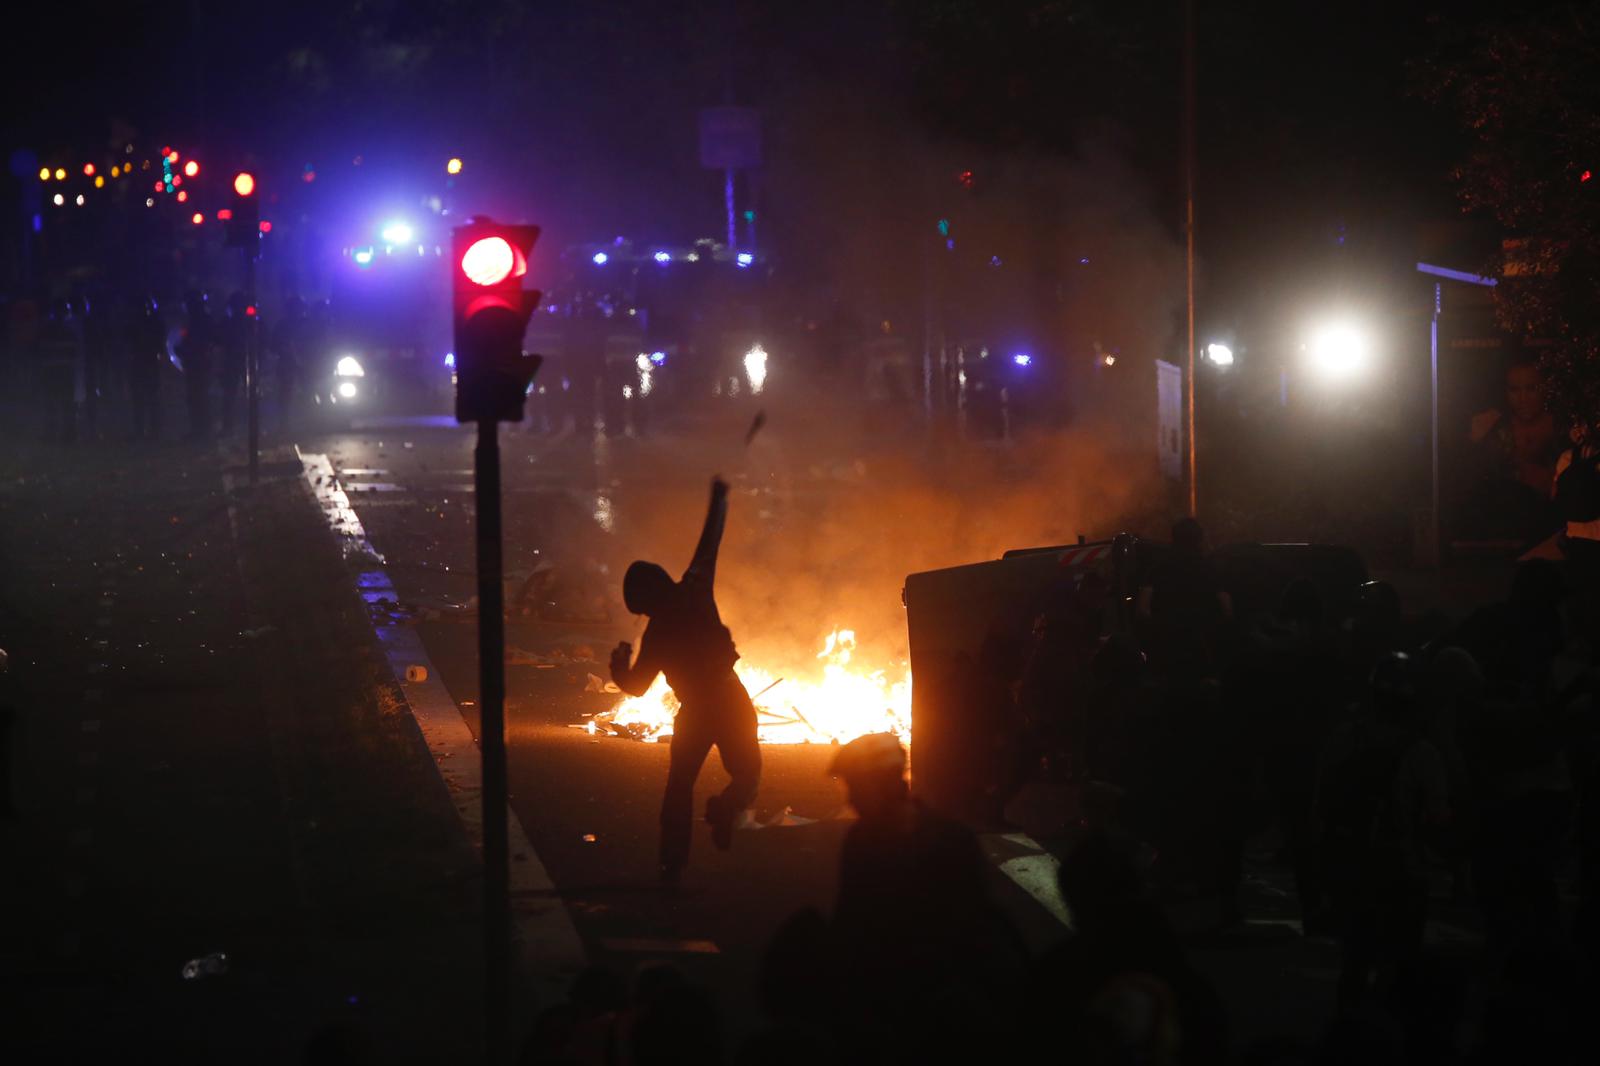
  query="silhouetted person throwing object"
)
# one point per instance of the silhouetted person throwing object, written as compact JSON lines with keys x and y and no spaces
{"x":687,"y":641}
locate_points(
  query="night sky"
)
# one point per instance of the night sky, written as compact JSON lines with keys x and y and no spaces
{"x":1310,"y":134}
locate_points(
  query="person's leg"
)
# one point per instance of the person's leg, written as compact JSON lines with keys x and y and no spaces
{"x":690,"y":745}
{"x":740,"y":752}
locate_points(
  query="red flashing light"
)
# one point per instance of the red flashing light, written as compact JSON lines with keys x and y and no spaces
{"x":88,"y":170}
{"x":489,"y":261}
{"x":225,"y":214}
{"x":266,"y":226}
{"x":309,"y":176}
{"x":161,"y":186}
{"x":244,"y":183}
{"x":1586,"y":175}
{"x":250,"y":311}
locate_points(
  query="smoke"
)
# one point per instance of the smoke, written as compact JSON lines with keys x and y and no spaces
{"x":848,"y":490}
{"x":836,"y":503}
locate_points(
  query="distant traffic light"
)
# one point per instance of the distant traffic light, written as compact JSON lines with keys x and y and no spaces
{"x":244,"y":214}
{"x":491,"y":316}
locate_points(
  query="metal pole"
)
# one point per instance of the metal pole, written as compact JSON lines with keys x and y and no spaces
{"x":727,"y":198}
{"x":1188,"y":229}
{"x":252,"y":365}
{"x":492,"y":742}
{"x":1433,"y":346}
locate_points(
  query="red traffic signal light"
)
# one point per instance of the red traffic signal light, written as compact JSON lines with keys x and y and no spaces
{"x":244,"y":183}
{"x":491,"y":316}
{"x":491,"y":260}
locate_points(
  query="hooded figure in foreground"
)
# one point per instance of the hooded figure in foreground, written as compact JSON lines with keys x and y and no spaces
{"x":686,"y":640}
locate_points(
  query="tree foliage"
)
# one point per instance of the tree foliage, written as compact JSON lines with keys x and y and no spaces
{"x":1525,"y":95}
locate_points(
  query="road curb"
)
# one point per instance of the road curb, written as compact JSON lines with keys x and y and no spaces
{"x":550,"y":947}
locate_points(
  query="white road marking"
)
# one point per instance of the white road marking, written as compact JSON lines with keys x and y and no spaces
{"x":550,"y":942}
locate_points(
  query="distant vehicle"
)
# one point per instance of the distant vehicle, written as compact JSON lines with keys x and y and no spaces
{"x":633,"y":331}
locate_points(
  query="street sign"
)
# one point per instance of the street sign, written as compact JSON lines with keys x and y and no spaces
{"x":730,"y":138}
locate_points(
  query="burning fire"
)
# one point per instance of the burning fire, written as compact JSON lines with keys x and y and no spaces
{"x":844,"y":702}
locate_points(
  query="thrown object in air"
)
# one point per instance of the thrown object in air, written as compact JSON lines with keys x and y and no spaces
{"x":212,"y":965}
{"x":755,"y":426}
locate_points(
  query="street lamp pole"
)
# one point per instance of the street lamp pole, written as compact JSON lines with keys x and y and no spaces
{"x":1188,"y":228}
{"x":1433,"y":372}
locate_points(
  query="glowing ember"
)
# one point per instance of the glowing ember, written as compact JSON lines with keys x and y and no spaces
{"x":842,"y":702}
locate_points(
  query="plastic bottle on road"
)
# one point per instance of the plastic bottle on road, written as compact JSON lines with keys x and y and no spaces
{"x":212,"y":965}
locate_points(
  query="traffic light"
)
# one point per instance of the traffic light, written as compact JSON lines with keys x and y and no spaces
{"x":244,"y":214}
{"x":491,"y":315}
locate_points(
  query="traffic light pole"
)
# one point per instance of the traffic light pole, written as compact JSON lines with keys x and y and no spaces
{"x":492,"y":743}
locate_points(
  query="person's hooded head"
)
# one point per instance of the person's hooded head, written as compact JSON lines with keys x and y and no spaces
{"x":647,"y":588}
{"x":873,"y":768}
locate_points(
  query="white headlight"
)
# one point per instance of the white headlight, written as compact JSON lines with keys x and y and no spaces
{"x":349,"y":368}
{"x":755,"y":368}
{"x":347,"y":390}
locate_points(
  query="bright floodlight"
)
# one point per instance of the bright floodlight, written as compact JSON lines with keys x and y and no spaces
{"x":244,"y":183}
{"x":1022,"y":359}
{"x":397,"y":233}
{"x":1219,"y":354}
{"x":600,"y":259}
{"x":349,"y":367}
{"x":755,"y":368}
{"x":489,"y":261}
{"x":347,"y":389}
{"x":1338,"y":350}
{"x":663,"y":257}
{"x":744,"y":259}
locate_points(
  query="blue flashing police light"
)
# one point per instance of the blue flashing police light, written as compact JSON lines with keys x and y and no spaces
{"x":363,"y":256}
{"x":663,"y":257}
{"x":450,"y":360}
{"x":658,"y":358}
{"x":744,"y":259}
{"x":1022,"y":359}
{"x":600,"y":259}
{"x":397,"y":232}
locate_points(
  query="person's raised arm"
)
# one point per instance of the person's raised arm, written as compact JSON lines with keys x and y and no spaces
{"x":704,"y":566}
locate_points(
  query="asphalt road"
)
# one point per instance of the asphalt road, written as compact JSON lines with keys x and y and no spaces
{"x":589,"y":804}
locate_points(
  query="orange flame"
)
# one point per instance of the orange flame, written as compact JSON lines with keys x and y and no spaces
{"x":835,"y":702}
